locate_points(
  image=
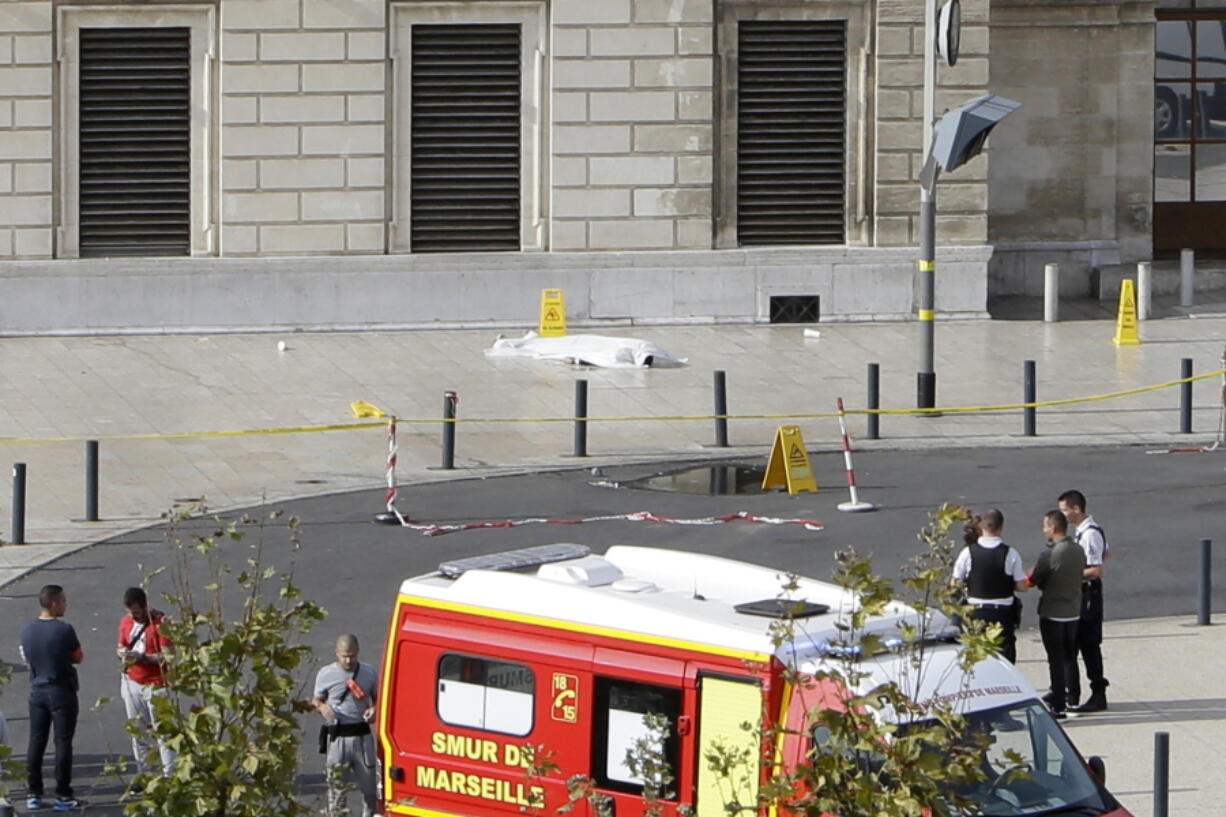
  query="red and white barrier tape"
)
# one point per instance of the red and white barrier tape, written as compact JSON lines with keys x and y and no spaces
{"x":427,"y":529}
{"x":393,"y":451}
{"x":855,"y":504}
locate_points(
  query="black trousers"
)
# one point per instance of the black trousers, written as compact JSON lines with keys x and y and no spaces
{"x":1005,"y":616}
{"x":1089,"y":642}
{"x":51,"y":706}
{"x":1060,"y":643}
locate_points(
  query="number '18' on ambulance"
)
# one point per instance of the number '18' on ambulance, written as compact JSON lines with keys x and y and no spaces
{"x":555,"y":647}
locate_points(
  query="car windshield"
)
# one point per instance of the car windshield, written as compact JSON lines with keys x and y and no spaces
{"x":1031,"y":767}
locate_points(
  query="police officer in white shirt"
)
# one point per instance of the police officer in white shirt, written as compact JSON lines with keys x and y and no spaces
{"x":1089,"y":534}
{"x":992,"y":571}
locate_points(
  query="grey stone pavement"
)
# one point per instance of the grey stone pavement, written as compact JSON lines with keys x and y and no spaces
{"x":60,"y":391}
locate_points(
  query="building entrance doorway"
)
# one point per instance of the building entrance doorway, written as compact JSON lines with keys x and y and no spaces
{"x":1190,"y":127}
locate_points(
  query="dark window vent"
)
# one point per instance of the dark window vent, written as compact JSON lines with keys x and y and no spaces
{"x":465,"y":120}
{"x":782,"y":608}
{"x":135,"y":141}
{"x":795,"y":308}
{"x":791,"y":117}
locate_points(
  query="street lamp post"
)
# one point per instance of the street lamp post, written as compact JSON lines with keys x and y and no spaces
{"x":926,"y":377}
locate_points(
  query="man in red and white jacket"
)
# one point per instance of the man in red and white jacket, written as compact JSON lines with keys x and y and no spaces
{"x":140,"y":648}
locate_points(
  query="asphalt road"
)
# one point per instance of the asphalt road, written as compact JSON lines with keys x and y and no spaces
{"x":1155,"y":510}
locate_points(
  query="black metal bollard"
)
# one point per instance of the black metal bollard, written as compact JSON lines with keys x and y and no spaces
{"x":450,"y":399}
{"x":91,"y":480}
{"x":1028,"y":390}
{"x":1185,"y":397}
{"x":1162,"y":774}
{"x":1205,"y":594}
{"x":19,"y":503}
{"x":873,"y":432}
{"x":721,"y":410}
{"x":580,"y":418}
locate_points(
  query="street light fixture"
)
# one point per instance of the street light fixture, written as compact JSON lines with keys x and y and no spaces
{"x":953,"y":141}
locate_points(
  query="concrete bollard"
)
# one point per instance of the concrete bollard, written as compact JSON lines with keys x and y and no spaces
{"x":1162,"y":774}
{"x":873,"y":423}
{"x":450,"y":399}
{"x":1028,"y":396}
{"x":91,"y":480}
{"x":1187,"y":273}
{"x":580,"y":418}
{"x":721,"y":409}
{"x":19,"y":503}
{"x":1205,"y":585}
{"x":1051,"y":293}
{"x":1185,"y":396}
{"x":1145,"y":288}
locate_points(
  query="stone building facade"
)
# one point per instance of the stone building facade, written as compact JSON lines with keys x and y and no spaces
{"x":319,"y":164}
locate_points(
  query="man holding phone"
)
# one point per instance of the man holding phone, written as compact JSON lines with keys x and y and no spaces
{"x":141,"y":645}
{"x":345,"y":693}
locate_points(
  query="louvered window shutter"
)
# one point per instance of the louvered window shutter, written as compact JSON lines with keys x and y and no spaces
{"x":791,"y":116}
{"x":465,"y":173}
{"x":135,"y":141}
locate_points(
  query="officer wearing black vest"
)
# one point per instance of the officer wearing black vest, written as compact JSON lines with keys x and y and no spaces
{"x":992,"y":571}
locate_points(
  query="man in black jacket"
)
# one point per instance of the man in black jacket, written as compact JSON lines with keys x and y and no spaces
{"x":992,"y":571}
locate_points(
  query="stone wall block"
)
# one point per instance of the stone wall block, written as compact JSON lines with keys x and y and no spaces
{"x":633,"y":42}
{"x":240,"y":47}
{"x":25,"y":211}
{"x":672,"y":202}
{"x":254,"y":79}
{"x":34,"y":177}
{"x":894,"y":41}
{"x":342,"y":140}
{"x":366,"y":205}
{"x":673,"y":11}
{"x":257,"y":207}
{"x":632,"y":106}
{"x":365,"y":173}
{"x":240,"y":239}
{"x":679,"y":72}
{"x":695,"y":105}
{"x":569,"y":107}
{"x":365,"y":108}
{"x":695,"y":169}
{"x":240,"y":174}
{"x":568,"y":235}
{"x":32,"y":50}
{"x":900,"y":73}
{"x":632,"y":170}
{"x":296,"y":239}
{"x":586,"y":12}
{"x":695,"y":40}
{"x":22,"y":17}
{"x":630,"y":234}
{"x":265,"y":140}
{"x":600,"y":203}
{"x":259,"y":14}
{"x":32,"y":113}
{"x":569,"y":42}
{"x":34,"y":243}
{"x":569,"y":171}
{"x":364,"y":237}
{"x":343,"y":14}
{"x":694,"y":234}
{"x":673,"y":138}
{"x":575,"y":73}
{"x":366,"y":45}
{"x":591,"y":139}
{"x":302,"y":46}
{"x":296,"y":109}
{"x":903,"y":134}
{"x":26,"y":81}
{"x":362,"y":76}
{"x":295,"y":174}
{"x":27,"y":144}
{"x":240,"y":110}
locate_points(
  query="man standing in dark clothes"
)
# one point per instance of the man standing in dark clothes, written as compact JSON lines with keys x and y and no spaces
{"x":50,"y":648}
{"x":1057,"y":574}
{"x":992,"y":571}
{"x":1090,"y":536}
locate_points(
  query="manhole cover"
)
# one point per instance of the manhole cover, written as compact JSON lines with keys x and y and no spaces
{"x":717,"y":478}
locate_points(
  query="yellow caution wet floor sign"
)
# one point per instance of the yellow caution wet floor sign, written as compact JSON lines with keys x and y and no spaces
{"x":788,"y":466}
{"x":553,"y":314}
{"x":1126,"y":321}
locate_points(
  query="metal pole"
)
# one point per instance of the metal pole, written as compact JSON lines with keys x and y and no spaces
{"x":1028,"y":390}
{"x":91,"y":480}
{"x":449,"y":406}
{"x":873,"y":431}
{"x":926,"y":377}
{"x":1051,"y":293}
{"x":1145,"y":288}
{"x":1204,"y":597}
{"x":721,"y":410}
{"x":19,"y":503}
{"x":1187,"y":271}
{"x":580,"y":418}
{"x":1185,"y":397}
{"x":1162,"y":774}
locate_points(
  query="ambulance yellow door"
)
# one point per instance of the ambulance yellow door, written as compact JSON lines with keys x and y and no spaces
{"x":724,"y":705}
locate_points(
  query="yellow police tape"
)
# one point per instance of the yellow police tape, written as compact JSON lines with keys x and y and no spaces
{"x":671,"y":418}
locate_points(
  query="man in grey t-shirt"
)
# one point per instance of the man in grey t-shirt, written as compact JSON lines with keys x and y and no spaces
{"x":345,"y":695}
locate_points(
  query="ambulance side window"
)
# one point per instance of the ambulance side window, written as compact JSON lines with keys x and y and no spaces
{"x":621,"y":729}
{"x":481,"y":693}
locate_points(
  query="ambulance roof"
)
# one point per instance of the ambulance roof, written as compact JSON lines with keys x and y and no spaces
{"x":665,"y":595}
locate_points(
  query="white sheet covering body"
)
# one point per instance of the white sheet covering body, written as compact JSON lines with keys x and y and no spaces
{"x":591,"y":350}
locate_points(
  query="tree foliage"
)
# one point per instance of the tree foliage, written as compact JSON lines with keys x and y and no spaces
{"x":232,"y":704}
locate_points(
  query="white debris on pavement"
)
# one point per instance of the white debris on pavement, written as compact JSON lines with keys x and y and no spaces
{"x":590,"y":350}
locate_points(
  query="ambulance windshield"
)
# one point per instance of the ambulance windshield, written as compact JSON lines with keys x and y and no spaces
{"x":1050,"y":778}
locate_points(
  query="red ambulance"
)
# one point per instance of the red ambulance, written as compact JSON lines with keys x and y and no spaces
{"x":553,"y":646}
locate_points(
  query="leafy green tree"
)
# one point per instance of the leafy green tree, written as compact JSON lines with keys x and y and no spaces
{"x":232,"y":703}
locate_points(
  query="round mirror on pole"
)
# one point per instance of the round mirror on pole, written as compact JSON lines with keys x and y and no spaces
{"x":949,"y":32}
